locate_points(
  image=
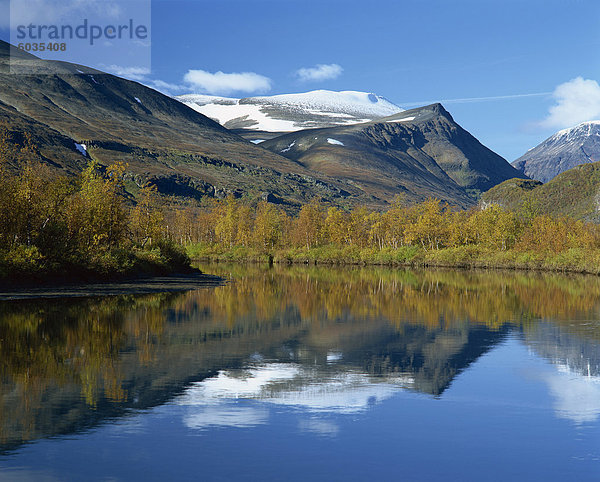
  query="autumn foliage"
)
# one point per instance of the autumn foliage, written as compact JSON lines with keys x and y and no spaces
{"x":429,"y":226}
{"x":56,"y":224}
{"x":82,"y":226}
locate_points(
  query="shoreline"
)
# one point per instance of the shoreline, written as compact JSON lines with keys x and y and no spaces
{"x":571,"y":261}
{"x":169,"y":283}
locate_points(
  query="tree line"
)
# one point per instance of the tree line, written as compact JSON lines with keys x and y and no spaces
{"x":91,"y":222}
{"x":430,"y":226}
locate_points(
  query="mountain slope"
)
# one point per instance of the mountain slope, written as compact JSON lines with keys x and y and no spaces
{"x":562,"y":151}
{"x":62,"y":105}
{"x":73,"y":113}
{"x":575,"y":193}
{"x":422,"y":151}
{"x":291,"y":112}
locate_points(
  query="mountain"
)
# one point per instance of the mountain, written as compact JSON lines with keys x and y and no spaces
{"x":562,"y":151}
{"x":74,"y":113}
{"x":70,"y":114}
{"x":575,"y":193}
{"x":421,"y":152}
{"x":291,"y":112}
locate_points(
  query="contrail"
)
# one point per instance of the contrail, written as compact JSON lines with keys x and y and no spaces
{"x":474,"y":99}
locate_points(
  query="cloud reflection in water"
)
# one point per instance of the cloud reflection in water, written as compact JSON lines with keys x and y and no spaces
{"x":214,"y":401}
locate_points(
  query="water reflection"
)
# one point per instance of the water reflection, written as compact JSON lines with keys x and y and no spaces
{"x":321,"y":341}
{"x":573,"y":350}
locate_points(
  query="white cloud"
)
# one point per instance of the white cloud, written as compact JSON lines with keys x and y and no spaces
{"x":319,"y":72}
{"x":196,"y":81}
{"x":131,"y":73}
{"x":201,"y":418}
{"x":577,"y":100}
{"x":166,"y":88}
{"x":224,"y":83}
{"x":324,"y":428}
{"x":294,"y":385}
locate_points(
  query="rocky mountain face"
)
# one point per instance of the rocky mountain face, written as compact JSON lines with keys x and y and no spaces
{"x":562,"y":151}
{"x":417,"y":152}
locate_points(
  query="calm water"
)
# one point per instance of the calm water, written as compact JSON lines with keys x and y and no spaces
{"x":308,"y":374}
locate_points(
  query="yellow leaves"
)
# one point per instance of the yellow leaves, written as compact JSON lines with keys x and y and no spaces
{"x":496,"y":227}
{"x":268,"y":226}
{"x":226,"y":227}
{"x":97,"y":217}
{"x":428,"y":227}
{"x":308,"y":226}
{"x":335,"y":226}
{"x":548,"y":234}
{"x":147,"y":218}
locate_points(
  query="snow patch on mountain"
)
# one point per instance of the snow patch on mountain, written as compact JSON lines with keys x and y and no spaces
{"x":292,"y":112}
{"x":345,"y":102}
{"x":202,"y":99}
{"x":251,"y":116}
{"x":335,"y":142}
{"x":82,"y":148}
{"x":583,"y":129}
{"x":404,"y":119}
{"x":289,"y":147}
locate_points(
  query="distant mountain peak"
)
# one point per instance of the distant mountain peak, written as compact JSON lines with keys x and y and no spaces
{"x":562,"y":151}
{"x":292,"y":112}
{"x":584,"y":128}
{"x":419,"y":114}
{"x":363,"y":102}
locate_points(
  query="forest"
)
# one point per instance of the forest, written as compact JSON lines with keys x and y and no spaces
{"x":92,"y":226}
{"x":430,"y":233}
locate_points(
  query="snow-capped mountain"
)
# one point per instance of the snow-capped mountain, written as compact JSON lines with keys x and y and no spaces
{"x":292,"y":112}
{"x":562,"y":151}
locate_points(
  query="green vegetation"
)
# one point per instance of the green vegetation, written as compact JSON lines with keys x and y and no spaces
{"x":88,"y":228}
{"x":425,"y":234}
{"x":573,"y":193}
{"x":82,"y":228}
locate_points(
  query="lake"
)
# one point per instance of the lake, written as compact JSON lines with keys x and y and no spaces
{"x":307,"y":373}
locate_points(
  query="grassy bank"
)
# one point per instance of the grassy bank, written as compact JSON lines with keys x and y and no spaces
{"x":577,"y":260}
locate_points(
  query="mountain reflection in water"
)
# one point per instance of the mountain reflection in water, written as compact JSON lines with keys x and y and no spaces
{"x":319,"y":340}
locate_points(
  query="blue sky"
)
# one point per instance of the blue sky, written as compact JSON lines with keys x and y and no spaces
{"x":461,"y":52}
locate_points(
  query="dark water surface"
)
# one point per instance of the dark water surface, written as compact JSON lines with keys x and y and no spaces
{"x":307,"y":374}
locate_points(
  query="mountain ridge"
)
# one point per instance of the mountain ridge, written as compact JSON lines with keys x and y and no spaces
{"x":418,"y":153}
{"x":397,"y":148}
{"x":158,"y":137}
{"x":562,"y":151}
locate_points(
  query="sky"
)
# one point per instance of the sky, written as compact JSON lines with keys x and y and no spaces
{"x":510,"y":72}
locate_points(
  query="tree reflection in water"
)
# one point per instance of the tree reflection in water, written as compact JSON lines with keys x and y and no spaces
{"x":326,"y":339}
